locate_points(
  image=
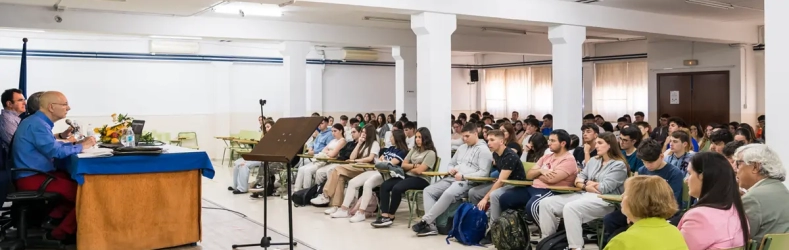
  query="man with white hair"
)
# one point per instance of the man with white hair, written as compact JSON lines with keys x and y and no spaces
{"x":760,"y":171}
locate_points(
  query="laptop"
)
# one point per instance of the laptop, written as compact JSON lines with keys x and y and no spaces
{"x":137,"y":126}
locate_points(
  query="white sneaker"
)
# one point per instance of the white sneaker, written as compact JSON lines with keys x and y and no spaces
{"x":320,"y":200}
{"x":358,"y":217}
{"x":330,"y":211}
{"x":340,"y":213}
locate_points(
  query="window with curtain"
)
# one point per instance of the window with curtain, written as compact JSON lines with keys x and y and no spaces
{"x":527,"y":90}
{"x":620,"y":88}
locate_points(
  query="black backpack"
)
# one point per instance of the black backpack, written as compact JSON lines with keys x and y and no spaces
{"x":302,"y":197}
{"x":510,"y":231}
{"x":556,"y":241}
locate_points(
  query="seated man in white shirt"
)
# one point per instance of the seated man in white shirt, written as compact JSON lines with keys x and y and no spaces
{"x":410,"y":133}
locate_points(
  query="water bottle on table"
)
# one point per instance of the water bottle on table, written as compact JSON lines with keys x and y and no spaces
{"x":127,"y":139}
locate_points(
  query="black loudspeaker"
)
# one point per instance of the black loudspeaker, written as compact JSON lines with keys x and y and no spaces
{"x":474,"y":75}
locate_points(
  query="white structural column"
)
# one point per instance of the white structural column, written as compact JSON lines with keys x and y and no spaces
{"x":314,"y":94}
{"x":567,"y":43}
{"x":405,"y":80}
{"x":222,"y":78}
{"x":775,"y":101}
{"x":294,"y":59}
{"x":434,"y":76}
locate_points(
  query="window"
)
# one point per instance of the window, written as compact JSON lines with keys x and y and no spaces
{"x":527,"y":90}
{"x":620,"y":88}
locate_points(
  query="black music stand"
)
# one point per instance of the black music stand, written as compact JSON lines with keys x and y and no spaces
{"x":281,"y":144}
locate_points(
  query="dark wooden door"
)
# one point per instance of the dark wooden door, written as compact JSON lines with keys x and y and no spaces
{"x":710,"y":98}
{"x":675,"y":82}
{"x":703,"y":96}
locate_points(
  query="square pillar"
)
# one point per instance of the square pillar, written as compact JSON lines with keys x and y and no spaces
{"x":294,"y":59}
{"x":434,"y":77}
{"x":568,"y":87}
{"x":775,"y":77}
{"x":314,"y":96}
{"x":405,"y":81}
{"x":222,"y":119}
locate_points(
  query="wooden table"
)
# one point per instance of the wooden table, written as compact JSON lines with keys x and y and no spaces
{"x":363,"y":165}
{"x":518,"y":183}
{"x":307,"y":156}
{"x":435,"y":174}
{"x":480,"y":179}
{"x":611,"y":198}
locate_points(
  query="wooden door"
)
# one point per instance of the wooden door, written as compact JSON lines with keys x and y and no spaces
{"x":680,"y":82}
{"x":710,"y":98}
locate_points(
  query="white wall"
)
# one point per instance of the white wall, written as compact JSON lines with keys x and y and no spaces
{"x":210,"y":98}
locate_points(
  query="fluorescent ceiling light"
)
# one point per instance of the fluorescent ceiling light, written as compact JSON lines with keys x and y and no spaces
{"x":711,"y":3}
{"x":386,"y":19}
{"x":22,"y":30}
{"x":249,"y":9}
{"x":178,"y":37}
{"x":502,"y":30}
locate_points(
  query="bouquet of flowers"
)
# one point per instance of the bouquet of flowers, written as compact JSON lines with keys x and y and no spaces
{"x":112,"y":133}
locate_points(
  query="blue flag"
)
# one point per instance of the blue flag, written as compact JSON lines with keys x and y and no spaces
{"x":23,"y":69}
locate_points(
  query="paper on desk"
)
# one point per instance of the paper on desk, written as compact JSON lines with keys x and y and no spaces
{"x":95,"y":153}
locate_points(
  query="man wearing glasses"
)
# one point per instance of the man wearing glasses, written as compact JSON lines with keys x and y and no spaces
{"x":629,"y":138}
{"x":34,"y":147}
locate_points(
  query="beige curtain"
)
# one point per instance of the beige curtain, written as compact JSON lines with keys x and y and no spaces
{"x":620,"y":88}
{"x":527,"y":90}
{"x":495,"y":91}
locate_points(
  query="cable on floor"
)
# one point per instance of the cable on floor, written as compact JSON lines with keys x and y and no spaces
{"x":229,"y":210}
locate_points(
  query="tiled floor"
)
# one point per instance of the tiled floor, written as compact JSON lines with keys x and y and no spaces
{"x":315,"y":229}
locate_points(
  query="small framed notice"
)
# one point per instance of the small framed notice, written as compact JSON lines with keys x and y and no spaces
{"x":674,"y":97}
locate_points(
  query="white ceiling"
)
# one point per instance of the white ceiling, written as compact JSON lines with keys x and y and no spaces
{"x":748,"y":10}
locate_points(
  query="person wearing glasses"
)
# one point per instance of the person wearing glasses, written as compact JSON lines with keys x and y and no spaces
{"x":34,"y":147}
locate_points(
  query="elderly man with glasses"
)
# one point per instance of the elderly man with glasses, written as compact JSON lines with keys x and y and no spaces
{"x":761,"y":173}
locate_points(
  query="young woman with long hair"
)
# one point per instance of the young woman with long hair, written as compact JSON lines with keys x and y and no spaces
{"x":362,"y":122}
{"x":520,"y":131}
{"x":371,"y":179}
{"x":382,"y":127}
{"x":511,"y":141}
{"x":457,"y":137}
{"x":743,"y":135}
{"x":536,"y":148}
{"x":420,"y":159}
{"x":603,"y":174}
{"x":712,"y":180}
{"x":364,"y":152}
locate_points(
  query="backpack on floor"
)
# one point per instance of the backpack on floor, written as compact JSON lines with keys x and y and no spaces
{"x":510,"y":231}
{"x":444,"y":220}
{"x":302,"y":197}
{"x":468,"y":225}
{"x":556,"y":241}
{"x":369,"y":211}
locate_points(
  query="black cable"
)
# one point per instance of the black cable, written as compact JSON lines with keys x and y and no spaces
{"x":232,"y":211}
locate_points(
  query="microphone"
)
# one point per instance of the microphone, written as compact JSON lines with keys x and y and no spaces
{"x":262,"y":102}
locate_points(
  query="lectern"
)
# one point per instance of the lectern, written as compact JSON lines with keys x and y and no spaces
{"x":281,"y":144}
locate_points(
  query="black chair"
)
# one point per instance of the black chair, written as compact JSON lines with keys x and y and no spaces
{"x":27,"y":212}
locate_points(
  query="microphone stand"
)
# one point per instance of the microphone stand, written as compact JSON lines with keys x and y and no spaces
{"x":265,"y":242}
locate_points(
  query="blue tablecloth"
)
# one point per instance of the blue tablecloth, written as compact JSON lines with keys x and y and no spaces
{"x":167,"y":162}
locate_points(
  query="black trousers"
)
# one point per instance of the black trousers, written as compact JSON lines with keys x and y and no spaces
{"x":392,"y":191}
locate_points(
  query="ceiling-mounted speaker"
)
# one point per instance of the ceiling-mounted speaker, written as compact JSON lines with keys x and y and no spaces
{"x":474,"y":75}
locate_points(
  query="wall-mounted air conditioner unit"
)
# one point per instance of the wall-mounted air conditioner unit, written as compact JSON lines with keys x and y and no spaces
{"x":360,"y":55}
{"x":174,"y":47}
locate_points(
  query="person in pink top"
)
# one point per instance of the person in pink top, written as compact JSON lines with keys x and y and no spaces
{"x":717,"y":220}
{"x":555,"y":169}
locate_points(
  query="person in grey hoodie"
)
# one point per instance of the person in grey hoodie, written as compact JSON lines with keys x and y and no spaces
{"x":603,"y":174}
{"x":472,"y":159}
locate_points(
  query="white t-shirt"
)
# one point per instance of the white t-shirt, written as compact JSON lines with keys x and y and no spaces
{"x":410,"y":141}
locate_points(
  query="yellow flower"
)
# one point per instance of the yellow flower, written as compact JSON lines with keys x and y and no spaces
{"x":115,"y":140}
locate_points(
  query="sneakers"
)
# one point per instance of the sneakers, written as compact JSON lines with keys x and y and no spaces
{"x":340,"y":213}
{"x":419,"y":226}
{"x":256,"y":196}
{"x":238,"y":192}
{"x":358,"y":217}
{"x":257,"y":188}
{"x":320,"y":200}
{"x":428,"y":230}
{"x":382,"y":222}
{"x":330,"y":211}
{"x":230,"y":188}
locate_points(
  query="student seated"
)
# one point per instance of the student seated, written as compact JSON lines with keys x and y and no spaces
{"x":717,"y":220}
{"x":370,"y":179}
{"x":648,"y":202}
{"x":650,"y":154}
{"x":589,"y":136}
{"x":761,"y":172}
{"x":555,"y":169}
{"x":472,"y":159}
{"x":420,"y":159}
{"x":510,"y":168}
{"x":603,"y":174}
{"x":719,"y":138}
{"x":479,"y":191}
{"x":332,"y":149}
{"x":629,"y":139}
{"x":679,"y":153}
{"x":242,"y":167}
{"x":364,"y":152}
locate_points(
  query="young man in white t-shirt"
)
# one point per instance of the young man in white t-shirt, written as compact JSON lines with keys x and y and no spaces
{"x":410,"y":133}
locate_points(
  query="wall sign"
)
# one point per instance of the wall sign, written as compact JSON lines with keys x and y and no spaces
{"x":674,"y":97}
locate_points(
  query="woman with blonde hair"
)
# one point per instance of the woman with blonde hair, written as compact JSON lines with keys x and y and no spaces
{"x":648,"y":202}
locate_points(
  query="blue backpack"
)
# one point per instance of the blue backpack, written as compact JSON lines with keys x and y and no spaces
{"x":469,"y":225}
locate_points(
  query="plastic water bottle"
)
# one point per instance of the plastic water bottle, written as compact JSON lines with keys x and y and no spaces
{"x":128,"y":138}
